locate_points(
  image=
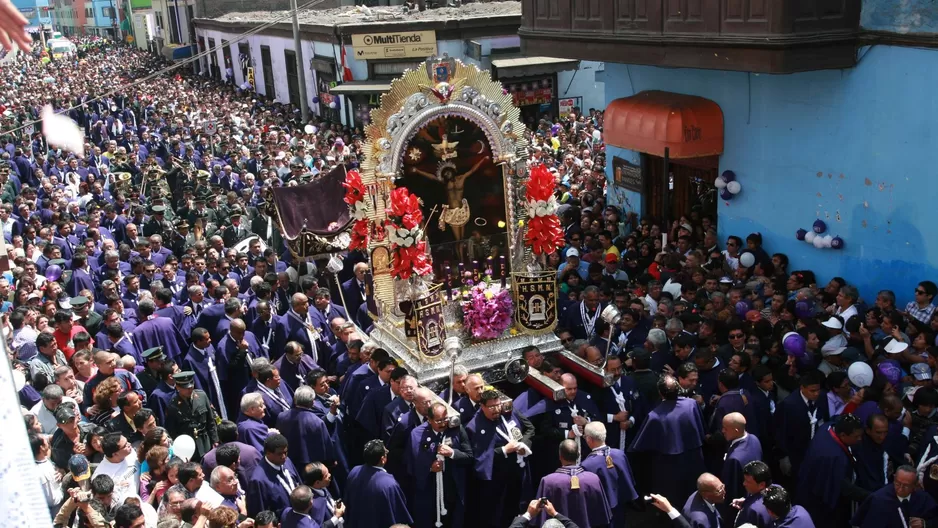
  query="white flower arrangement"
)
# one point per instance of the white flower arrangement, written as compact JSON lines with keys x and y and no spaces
{"x":537,"y":208}
{"x":404,"y":237}
{"x":359,"y":210}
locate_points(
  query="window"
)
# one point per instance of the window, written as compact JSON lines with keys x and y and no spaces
{"x":269,"y":90}
{"x":89,"y":12}
{"x":108,"y":12}
{"x":173,"y":25}
{"x":244,"y":59}
{"x":160,"y":25}
{"x":389,"y":70}
{"x":293,"y":81}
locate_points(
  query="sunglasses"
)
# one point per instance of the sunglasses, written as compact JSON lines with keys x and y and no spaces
{"x":920,"y":292}
{"x":567,"y":340}
{"x":737,"y":336}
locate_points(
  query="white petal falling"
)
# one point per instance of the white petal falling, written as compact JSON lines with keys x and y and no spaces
{"x":62,"y":132}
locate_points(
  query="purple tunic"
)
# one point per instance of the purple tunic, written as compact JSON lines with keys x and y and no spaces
{"x":252,"y":432}
{"x":292,"y":374}
{"x":586,"y":506}
{"x":308,"y":437}
{"x":617,"y":480}
{"x":797,"y":518}
{"x":374,"y":498}
{"x":160,"y":331}
{"x":883,"y":510}
{"x":740,"y":453}
{"x":820,"y":480}
{"x":754,"y":513}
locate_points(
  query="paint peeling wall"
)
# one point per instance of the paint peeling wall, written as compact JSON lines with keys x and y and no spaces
{"x":852,"y":147}
{"x":900,"y":16}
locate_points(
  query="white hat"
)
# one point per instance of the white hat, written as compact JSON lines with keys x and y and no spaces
{"x":834,"y":322}
{"x":687,"y":227}
{"x":833,"y":352}
{"x":895,"y":347}
{"x":572,"y":252}
{"x":860,"y":374}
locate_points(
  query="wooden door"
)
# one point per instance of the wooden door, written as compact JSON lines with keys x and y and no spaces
{"x":689,"y":179}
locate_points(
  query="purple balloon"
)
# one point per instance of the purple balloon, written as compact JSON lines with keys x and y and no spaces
{"x":741,"y":308}
{"x":726,"y":194}
{"x":819,"y":226}
{"x":315,"y":100}
{"x":53,"y":272}
{"x":891,"y":370}
{"x":799,"y":234}
{"x":794,"y":344}
{"x":729,"y":175}
{"x":803,"y":310}
{"x":837,"y":243}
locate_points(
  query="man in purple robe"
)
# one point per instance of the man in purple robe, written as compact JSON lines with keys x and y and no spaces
{"x":870,"y":454}
{"x":158,"y":331}
{"x":436,"y":448}
{"x":305,"y":431}
{"x":203,"y":360}
{"x":742,"y":448}
{"x":294,"y":365}
{"x":797,"y":420}
{"x":469,"y":404}
{"x":325,"y":508}
{"x":276,"y":394}
{"x":371,"y":412}
{"x":612,"y":467}
{"x":373,"y":498}
{"x":237,"y":349}
{"x":826,"y":479}
{"x":299,"y":514}
{"x":81,"y":276}
{"x":733,"y":399}
{"x":701,"y":508}
{"x":672,"y":434}
{"x":575,"y":491}
{"x":248,"y":456}
{"x":756,"y":478}
{"x":269,"y":330}
{"x":251,"y":427}
{"x":330,"y":410}
{"x":783,"y":513}
{"x":274,"y":478}
{"x":565,"y":419}
{"x":622,"y":407}
{"x":901,"y":504}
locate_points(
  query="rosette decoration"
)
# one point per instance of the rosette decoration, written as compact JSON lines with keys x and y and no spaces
{"x":408,"y":247}
{"x":358,"y":208}
{"x":544,"y":234}
{"x":487,"y":312}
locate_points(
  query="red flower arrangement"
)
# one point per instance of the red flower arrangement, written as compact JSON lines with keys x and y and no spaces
{"x":408,"y":248}
{"x":355,"y":198}
{"x":544,"y":234}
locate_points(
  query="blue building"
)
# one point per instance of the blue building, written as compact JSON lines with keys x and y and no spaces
{"x":37,"y":12}
{"x":822,"y":111}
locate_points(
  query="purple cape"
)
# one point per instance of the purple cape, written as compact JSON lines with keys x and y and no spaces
{"x":617,"y":480}
{"x":820,"y":479}
{"x":797,"y":518}
{"x":248,"y":460}
{"x":793,"y":429}
{"x":699,"y":514}
{"x":744,"y":451}
{"x":198,"y":363}
{"x":735,"y":401}
{"x":530,"y":403}
{"x":586,"y":506}
{"x":419,"y":456}
{"x":374,"y":498}
{"x":252,"y":432}
{"x":372,"y":408}
{"x":292,"y":519}
{"x":308,"y":437}
{"x":881,"y":509}
{"x":265,"y":491}
{"x":754,"y":512}
{"x":294,"y":375}
{"x":160,"y":332}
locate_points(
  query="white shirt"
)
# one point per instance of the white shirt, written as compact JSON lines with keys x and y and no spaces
{"x":125,"y":475}
{"x":45,"y":416}
{"x":51,"y":488}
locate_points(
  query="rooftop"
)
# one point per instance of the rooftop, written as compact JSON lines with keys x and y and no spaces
{"x":387,"y":15}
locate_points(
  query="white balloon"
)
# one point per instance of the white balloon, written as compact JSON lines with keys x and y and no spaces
{"x":184,"y":447}
{"x":818,"y":242}
{"x":827,"y":240}
{"x":810,"y":236}
{"x":309,"y":129}
{"x":719,"y":183}
{"x":747,"y":259}
{"x":332,"y":105}
{"x":62,"y":132}
{"x":734,"y":187}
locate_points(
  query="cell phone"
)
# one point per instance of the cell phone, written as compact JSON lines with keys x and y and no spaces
{"x":338,"y":503}
{"x":542,"y":501}
{"x":649,"y":499}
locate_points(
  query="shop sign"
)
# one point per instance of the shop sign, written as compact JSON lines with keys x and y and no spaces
{"x":628,"y":175}
{"x":531,"y":92}
{"x":394,"y":45}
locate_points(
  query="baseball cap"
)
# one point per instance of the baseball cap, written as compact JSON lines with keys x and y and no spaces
{"x":895,"y":347}
{"x":921,"y":371}
{"x":610,"y":257}
{"x":833,"y":351}
{"x":572,"y":252}
{"x":79,"y":468}
{"x":65,"y":412}
{"x":640,"y":354}
{"x":834,"y":322}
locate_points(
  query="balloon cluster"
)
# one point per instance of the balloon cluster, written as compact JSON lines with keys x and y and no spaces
{"x":818,"y":239}
{"x":728,"y":185}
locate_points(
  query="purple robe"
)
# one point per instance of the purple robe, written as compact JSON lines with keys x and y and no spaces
{"x":360,"y":383}
{"x":80,"y":280}
{"x":699,"y":514}
{"x":249,"y":458}
{"x":252,"y":432}
{"x":420,"y":455}
{"x":292,"y":519}
{"x":237,"y":371}
{"x":323,"y":506}
{"x":797,"y":517}
{"x":501,"y":481}
{"x":267,"y":489}
{"x":530,"y":403}
{"x":373,"y":498}
{"x":754,"y":513}
{"x":294,"y":374}
{"x":882,"y":509}
{"x":735,"y":401}
{"x":371,"y":411}
{"x":820,"y":480}
{"x":617,"y":480}
{"x":793,"y":427}
{"x":198,"y":362}
{"x":871,"y":464}
{"x":281,"y":401}
{"x":160,"y":331}
{"x":586,"y":506}
{"x":739,"y":453}
{"x":308,"y":437}
{"x":673,"y":434}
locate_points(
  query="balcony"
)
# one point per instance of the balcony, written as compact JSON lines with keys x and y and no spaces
{"x":769,"y":36}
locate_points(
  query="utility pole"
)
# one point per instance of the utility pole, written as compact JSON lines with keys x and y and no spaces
{"x":300,"y":70}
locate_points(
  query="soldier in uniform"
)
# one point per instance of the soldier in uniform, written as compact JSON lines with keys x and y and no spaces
{"x":158,"y":224}
{"x":181,"y":238}
{"x":191,"y":413}
{"x":236,"y":231}
{"x":149,"y":377}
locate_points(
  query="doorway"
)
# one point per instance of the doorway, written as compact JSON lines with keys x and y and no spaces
{"x":690,"y":187}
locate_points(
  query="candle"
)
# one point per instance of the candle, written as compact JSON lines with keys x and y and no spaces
{"x":462,"y":271}
{"x":475,"y":271}
{"x":501,"y":265}
{"x":446,"y":275}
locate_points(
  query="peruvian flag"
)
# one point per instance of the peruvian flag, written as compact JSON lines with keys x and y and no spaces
{"x":346,"y":72}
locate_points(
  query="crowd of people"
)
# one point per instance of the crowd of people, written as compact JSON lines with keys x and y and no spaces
{"x":179,"y":368}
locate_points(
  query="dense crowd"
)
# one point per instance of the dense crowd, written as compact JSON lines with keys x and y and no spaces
{"x":179,"y":368}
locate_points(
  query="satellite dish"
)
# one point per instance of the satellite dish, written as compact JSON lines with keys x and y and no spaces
{"x":516,"y":370}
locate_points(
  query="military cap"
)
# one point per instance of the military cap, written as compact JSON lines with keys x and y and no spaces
{"x":184,"y":379}
{"x":153,"y":354}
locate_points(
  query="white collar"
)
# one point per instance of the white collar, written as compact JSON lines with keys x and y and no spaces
{"x":271,"y":464}
{"x":738,"y":440}
{"x":599,"y":448}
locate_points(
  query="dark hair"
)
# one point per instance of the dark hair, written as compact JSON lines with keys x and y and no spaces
{"x":110,"y":444}
{"x":930,"y":288}
{"x":187,"y":472}
{"x":569,"y":449}
{"x":925,"y":396}
{"x":811,"y":377}
{"x":488,"y":396}
{"x":126,"y":514}
{"x":275,"y":442}
{"x":776,"y":501}
{"x":848,"y":424}
{"x":102,"y":485}
{"x":227,"y":454}
{"x":312,"y":379}
{"x":686,"y":369}
{"x":759,"y":471}
{"x":265,"y":517}
{"x":760,"y":371}
{"x":373,"y":452}
{"x":668,"y":387}
{"x":35,"y":442}
{"x":835,"y":379}
{"x":142,"y":416}
{"x":313,"y":473}
{"x":729,"y":378}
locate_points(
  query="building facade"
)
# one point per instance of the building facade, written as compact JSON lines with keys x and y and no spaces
{"x":479,"y":34}
{"x":37,"y":12}
{"x":824,"y":111}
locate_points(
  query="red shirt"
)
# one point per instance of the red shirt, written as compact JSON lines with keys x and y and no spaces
{"x":64,"y":342}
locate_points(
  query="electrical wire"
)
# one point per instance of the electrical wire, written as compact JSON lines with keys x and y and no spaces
{"x":171,"y":67}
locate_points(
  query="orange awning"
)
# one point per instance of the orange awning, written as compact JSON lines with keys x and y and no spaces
{"x":650,"y":121}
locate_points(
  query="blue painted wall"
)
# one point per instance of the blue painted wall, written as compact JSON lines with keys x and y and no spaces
{"x":853,"y":147}
{"x":900,"y":16}
{"x":32,"y":10}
